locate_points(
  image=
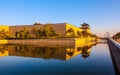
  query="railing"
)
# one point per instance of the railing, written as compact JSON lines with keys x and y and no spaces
{"x":115,"y":54}
{"x":115,"y":43}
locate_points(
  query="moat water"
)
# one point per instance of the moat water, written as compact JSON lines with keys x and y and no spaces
{"x":88,"y":59}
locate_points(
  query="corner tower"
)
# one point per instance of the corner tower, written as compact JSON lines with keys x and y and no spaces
{"x":85,"y":27}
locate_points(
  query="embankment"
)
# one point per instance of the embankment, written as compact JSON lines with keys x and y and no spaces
{"x":45,"y":42}
{"x":65,"y":42}
{"x":115,"y":54}
{"x":3,"y":41}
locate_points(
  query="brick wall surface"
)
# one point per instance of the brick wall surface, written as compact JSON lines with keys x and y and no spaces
{"x":58,"y":28}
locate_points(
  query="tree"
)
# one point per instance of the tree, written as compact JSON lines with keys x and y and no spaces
{"x":70,"y":33}
{"x":48,"y":31}
{"x":116,"y":36}
{"x":23,"y":34}
{"x":40,"y":33}
{"x":7,"y":34}
{"x":4,"y":34}
{"x":25,"y":30}
{"x":79,"y":34}
{"x":17,"y":35}
{"x":93,"y":35}
{"x":35,"y":32}
{"x":85,"y":33}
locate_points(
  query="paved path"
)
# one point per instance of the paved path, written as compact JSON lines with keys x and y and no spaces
{"x":115,"y":54}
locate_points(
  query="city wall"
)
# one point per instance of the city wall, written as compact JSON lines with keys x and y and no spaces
{"x":58,"y":28}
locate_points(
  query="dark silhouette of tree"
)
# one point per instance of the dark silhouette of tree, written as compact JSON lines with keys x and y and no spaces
{"x":116,"y":36}
{"x":36,"y":23}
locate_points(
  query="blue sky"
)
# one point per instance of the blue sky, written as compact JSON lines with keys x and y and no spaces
{"x":102,"y":15}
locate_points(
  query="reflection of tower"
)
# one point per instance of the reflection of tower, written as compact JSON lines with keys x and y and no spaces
{"x":85,"y":52}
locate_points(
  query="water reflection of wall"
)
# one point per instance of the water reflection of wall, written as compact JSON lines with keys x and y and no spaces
{"x":62,"y":53}
{"x":4,"y":50}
